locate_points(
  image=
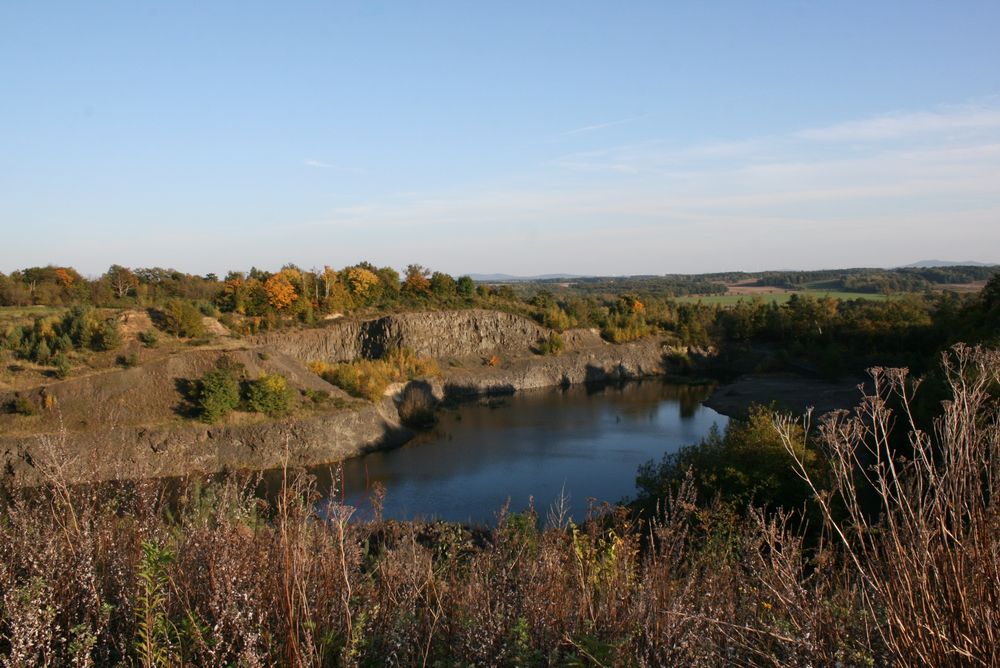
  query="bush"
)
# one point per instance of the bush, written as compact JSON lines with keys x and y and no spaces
{"x":62,"y":366}
{"x":208,"y":309}
{"x":746,"y":464}
{"x":416,"y":407}
{"x":269,"y":394}
{"x":106,"y":336}
{"x":130,"y":360}
{"x":80,"y":325}
{"x":625,"y":328}
{"x":41,"y":353}
{"x":181,"y":318}
{"x":219,"y":390}
{"x":149,"y":338}
{"x":369,"y":379}
{"x":556,"y":318}
{"x":552,"y":345}
{"x":24,"y":405}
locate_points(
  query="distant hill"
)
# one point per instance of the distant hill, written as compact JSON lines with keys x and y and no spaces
{"x":925,"y":264}
{"x":508,"y":278}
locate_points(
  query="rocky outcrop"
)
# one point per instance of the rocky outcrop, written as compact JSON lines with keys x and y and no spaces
{"x":432,"y":333}
{"x":170,"y":451}
{"x":588,"y":365}
{"x":136,"y":423}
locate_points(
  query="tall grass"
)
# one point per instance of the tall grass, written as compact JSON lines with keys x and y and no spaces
{"x":369,"y":379}
{"x":215,"y":576}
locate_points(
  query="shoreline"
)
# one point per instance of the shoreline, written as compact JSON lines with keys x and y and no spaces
{"x":324,"y":436}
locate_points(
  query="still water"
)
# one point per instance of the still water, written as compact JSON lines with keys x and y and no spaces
{"x":585,"y":440}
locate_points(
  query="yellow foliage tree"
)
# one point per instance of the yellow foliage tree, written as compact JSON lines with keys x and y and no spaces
{"x":280,"y":291}
{"x":362,"y":281}
{"x":329,"y":280}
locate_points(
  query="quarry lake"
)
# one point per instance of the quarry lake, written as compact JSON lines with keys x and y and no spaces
{"x":586,"y":440}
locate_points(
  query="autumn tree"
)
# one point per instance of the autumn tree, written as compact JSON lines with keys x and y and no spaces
{"x":417,"y":280}
{"x":67,"y":276}
{"x":122,"y":280}
{"x":363,"y":283}
{"x":329,"y":279}
{"x":280,"y":290}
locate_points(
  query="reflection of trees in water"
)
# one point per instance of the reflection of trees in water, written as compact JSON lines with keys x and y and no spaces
{"x":689,"y":397}
{"x":637,"y":398}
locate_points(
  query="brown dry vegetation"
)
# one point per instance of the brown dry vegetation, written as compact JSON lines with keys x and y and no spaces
{"x":221,"y":577}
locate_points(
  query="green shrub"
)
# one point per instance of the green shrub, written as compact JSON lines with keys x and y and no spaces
{"x":316,"y":396}
{"x":130,"y":360}
{"x":552,"y":345}
{"x":25,"y":405}
{"x":747,"y":463}
{"x":208,"y":309}
{"x":149,"y":338}
{"x":41,"y":353}
{"x":107,"y":335}
{"x":62,"y":366}
{"x":556,"y":318}
{"x":181,"y":318}
{"x":11,"y":340}
{"x":269,"y":394}
{"x":79,"y":325}
{"x":218,"y":392}
{"x":625,"y":328}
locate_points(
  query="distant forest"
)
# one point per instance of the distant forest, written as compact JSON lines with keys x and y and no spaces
{"x":55,"y":311}
{"x":868,"y":281}
{"x":364,"y":284}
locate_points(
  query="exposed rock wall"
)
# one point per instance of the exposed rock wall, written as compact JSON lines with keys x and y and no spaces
{"x":165,"y":451}
{"x":131,"y":423}
{"x":431,"y":333}
{"x":607,"y":363}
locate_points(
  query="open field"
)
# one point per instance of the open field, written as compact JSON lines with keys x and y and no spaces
{"x":777,"y":295}
{"x":974,"y":286}
{"x":17,"y":314}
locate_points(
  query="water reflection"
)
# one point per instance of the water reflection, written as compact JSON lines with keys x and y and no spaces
{"x":588,"y":440}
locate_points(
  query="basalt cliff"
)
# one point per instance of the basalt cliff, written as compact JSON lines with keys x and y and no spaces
{"x":138,"y":422}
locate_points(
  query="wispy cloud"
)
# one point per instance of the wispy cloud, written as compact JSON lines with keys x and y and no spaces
{"x":319,"y":164}
{"x":878,"y":191}
{"x":602,"y":126}
{"x":897,"y":126}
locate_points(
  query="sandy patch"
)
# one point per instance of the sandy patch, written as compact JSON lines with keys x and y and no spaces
{"x":133,"y":322}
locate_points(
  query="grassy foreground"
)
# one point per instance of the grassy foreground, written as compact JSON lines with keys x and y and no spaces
{"x":906,"y":572}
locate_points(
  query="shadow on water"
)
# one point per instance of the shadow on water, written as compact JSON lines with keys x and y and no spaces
{"x":586,"y":439}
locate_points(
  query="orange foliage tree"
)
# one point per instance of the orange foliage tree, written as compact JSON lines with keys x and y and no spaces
{"x":66,"y":276}
{"x":417,"y":279}
{"x":280,"y":290}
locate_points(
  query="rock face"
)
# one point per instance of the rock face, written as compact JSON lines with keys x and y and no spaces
{"x":165,"y":451}
{"x":589,"y":365}
{"x":134,"y":423}
{"x":432,"y":334}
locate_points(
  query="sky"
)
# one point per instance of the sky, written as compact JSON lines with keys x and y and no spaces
{"x":526,"y":138}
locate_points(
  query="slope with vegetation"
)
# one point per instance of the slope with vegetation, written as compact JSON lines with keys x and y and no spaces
{"x":900,"y":568}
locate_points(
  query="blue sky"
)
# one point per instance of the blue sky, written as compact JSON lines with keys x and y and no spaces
{"x":518,"y":137}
